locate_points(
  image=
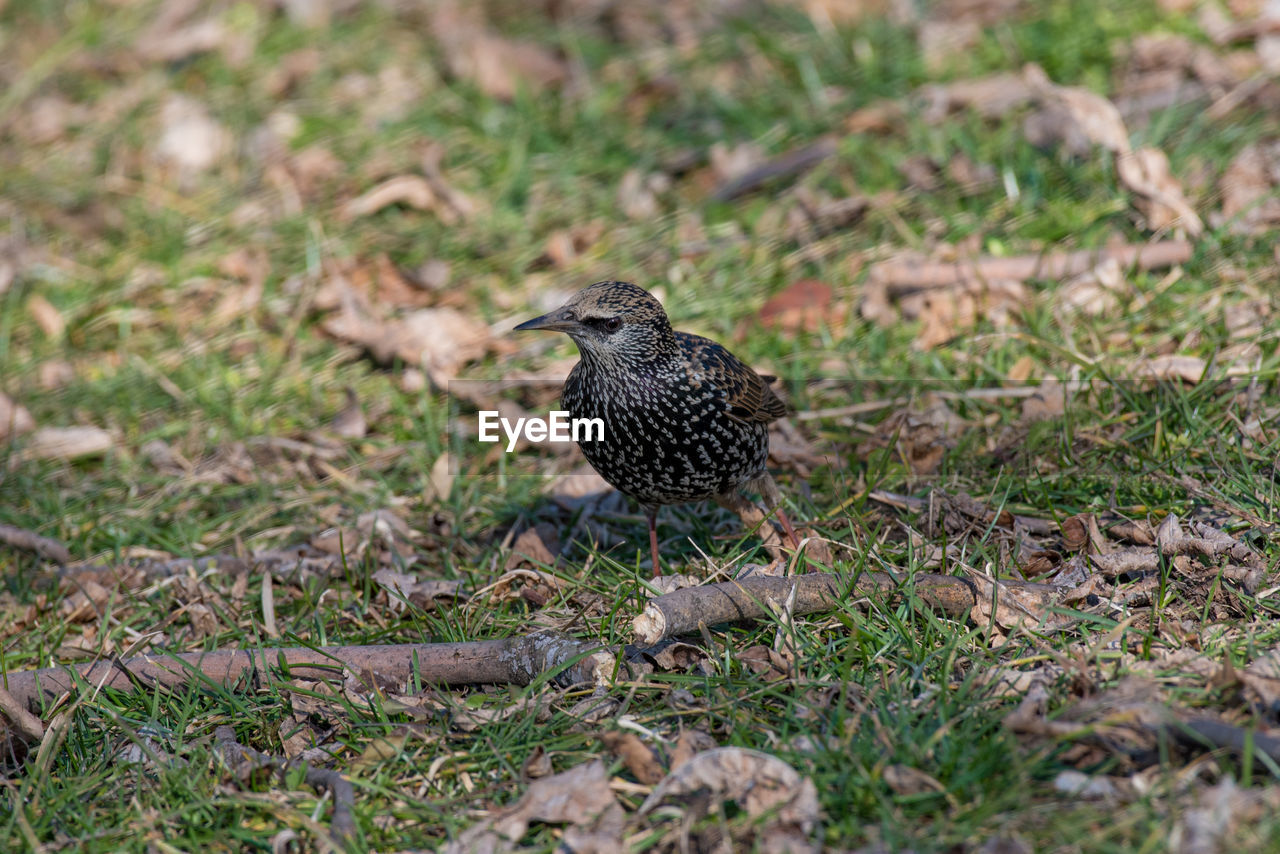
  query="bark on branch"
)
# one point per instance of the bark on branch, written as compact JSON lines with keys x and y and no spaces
{"x":517,"y":661}
{"x":684,"y":610}
{"x":909,"y":275}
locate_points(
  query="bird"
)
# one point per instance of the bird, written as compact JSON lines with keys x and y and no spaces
{"x":684,"y":419}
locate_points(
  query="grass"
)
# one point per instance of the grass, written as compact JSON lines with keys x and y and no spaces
{"x":135,"y":262}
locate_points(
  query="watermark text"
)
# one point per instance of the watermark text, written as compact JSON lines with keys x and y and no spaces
{"x":557,"y":427}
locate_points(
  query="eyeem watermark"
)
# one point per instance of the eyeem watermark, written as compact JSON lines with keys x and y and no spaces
{"x":558,"y":427}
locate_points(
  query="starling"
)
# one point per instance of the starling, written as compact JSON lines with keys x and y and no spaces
{"x":684,"y":419}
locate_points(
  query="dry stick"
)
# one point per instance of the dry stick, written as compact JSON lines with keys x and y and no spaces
{"x":28,"y":725}
{"x":685,"y":610}
{"x":243,"y":761}
{"x":47,"y":547}
{"x":785,"y":165}
{"x":518,"y":661}
{"x":905,"y":276}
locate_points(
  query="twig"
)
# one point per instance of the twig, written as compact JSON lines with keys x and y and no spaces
{"x":906,"y":276}
{"x":685,"y":610}
{"x":243,"y":761}
{"x":517,"y":661}
{"x":785,"y":165}
{"x":27,"y":724}
{"x":994,"y":393}
{"x":47,"y":547}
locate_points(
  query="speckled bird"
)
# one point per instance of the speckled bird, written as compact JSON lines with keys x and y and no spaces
{"x":684,"y":419}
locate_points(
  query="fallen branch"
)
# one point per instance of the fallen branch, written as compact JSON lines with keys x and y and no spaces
{"x":685,"y":610}
{"x":915,"y":274}
{"x":46,"y":547}
{"x":785,"y":165}
{"x":244,"y":761}
{"x":511,"y":661}
{"x":27,"y":724}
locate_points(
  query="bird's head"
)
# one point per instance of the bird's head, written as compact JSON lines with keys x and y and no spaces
{"x":613,"y":323}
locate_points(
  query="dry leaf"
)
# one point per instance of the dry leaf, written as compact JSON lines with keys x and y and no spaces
{"x":14,"y":418}
{"x":1160,"y":197}
{"x":637,"y":756}
{"x":1096,"y":292}
{"x":498,"y":66}
{"x":538,"y":546}
{"x":1262,"y":682}
{"x":690,"y":743}
{"x":803,"y":304}
{"x":440,"y":481}
{"x":579,"y":796}
{"x":411,"y":190}
{"x":919,"y":438}
{"x":766,"y":663}
{"x":1072,"y":113}
{"x":756,"y":781}
{"x":46,"y":316}
{"x":905,"y":780}
{"x":350,"y":422}
{"x":1248,"y":188}
{"x":439,"y":340}
{"x":420,"y":594}
{"x":1188,"y":369}
{"x":1079,"y":119}
{"x":190,"y":141}
{"x":537,"y":765}
{"x":67,"y":443}
{"x":1049,"y":401}
{"x":638,"y":194}
{"x":1016,"y":605}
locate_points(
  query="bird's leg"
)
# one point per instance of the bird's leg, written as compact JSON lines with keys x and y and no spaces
{"x":651,"y":514}
{"x":773,"y":503}
{"x":753,"y":519}
{"x":787,"y":527}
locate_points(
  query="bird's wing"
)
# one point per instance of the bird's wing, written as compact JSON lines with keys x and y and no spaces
{"x":747,"y":394}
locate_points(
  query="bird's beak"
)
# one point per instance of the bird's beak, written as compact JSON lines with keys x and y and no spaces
{"x":560,"y":320}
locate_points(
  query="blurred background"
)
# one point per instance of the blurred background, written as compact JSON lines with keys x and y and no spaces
{"x":259,"y":266}
{"x":228,"y":227}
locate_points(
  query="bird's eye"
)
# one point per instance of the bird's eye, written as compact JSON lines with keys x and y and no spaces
{"x":612,"y":324}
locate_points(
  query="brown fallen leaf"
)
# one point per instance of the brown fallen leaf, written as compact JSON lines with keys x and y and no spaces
{"x":638,"y":194}
{"x":15,"y":419}
{"x":637,"y":756}
{"x":1017,"y":605}
{"x":802,"y":305}
{"x":946,"y":313}
{"x":1079,"y":119}
{"x":905,"y":780}
{"x":756,"y":781}
{"x":579,"y":796}
{"x":538,"y":546}
{"x":1049,"y":401}
{"x":498,"y":66}
{"x":46,"y":316}
{"x":690,"y":743}
{"x":66,"y":443}
{"x":1147,"y":173}
{"x":1248,"y":185}
{"x":766,"y":663}
{"x":920,"y":438}
{"x":411,"y":190}
{"x":420,"y":594}
{"x":1096,"y":292}
{"x":439,"y":340}
{"x":1188,"y":369}
{"x":350,"y":422}
{"x":190,"y":142}
{"x":991,"y":97}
